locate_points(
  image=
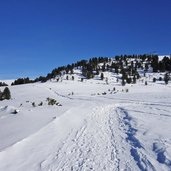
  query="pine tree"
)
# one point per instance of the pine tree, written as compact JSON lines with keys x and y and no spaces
{"x":97,"y":72}
{"x":102,"y":76}
{"x":129,"y":80}
{"x":166,"y":78}
{"x":134,"y":80}
{"x":6,"y":94}
{"x":1,"y":95}
{"x":160,"y":79}
{"x":146,"y":67}
{"x":123,"y":82}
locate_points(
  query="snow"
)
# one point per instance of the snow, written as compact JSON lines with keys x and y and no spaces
{"x":90,"y":131}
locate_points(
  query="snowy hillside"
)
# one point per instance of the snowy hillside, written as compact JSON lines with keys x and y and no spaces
{"x":97,"y":126}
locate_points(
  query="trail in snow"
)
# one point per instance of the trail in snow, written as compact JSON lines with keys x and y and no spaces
{"x":93,"y":147}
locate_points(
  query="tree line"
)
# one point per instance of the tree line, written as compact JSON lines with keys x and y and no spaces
{"x":127,"y":65}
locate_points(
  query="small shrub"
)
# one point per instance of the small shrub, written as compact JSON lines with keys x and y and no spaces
{"x":33,"y":104}
{"x":40,"y":104}
{"x":160,"y":78}
{"x":154,"y":80}
{"x":51,"y":101}
{"x":15,"y":111}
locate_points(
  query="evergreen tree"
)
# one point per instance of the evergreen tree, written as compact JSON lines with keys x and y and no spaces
{"x":72,"y":71}
{"x":89,"y":75}
{"x":160,"y":79}
{"x":6,"y":94}
{"x":166,"y":78}
{"x":146,"y":67}
{"x":134,"y":80}
{"x":102,"y":76}
{"x":97,"y":72}
{"x":123,"y":82}
{"x":103,"y":67}
{"x":1,"y":95}
{"x":155,"y":64}
{"x":162,"y":66}
{"x":138,"y":75}
{"x":129,"y":80}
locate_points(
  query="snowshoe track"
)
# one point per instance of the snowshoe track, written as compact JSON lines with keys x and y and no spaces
{"x":93,"y":147}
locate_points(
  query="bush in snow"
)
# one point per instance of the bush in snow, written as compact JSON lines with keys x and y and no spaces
{"x":160,"y":79}
{"x":127,"y":90}
{"x":33,"y":104}
{"x":15,"y":111}
{"x":52,"y":101}
{"x":40,"y":104}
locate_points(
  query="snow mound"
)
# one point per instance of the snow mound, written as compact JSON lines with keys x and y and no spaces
{"x":9,"y":110}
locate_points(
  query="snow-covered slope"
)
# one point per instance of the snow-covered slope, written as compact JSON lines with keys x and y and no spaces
{"x":96,"y":127}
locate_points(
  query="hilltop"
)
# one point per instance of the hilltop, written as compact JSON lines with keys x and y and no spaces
{"x":130,"y":67}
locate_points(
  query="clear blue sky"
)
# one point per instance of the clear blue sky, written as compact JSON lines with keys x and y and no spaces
{"x":38,"y":35}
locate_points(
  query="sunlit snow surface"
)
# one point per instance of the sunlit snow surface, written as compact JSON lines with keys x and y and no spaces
{"x":90,"y":131}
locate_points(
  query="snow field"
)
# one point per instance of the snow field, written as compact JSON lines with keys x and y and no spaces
{"x":90,"y":131}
